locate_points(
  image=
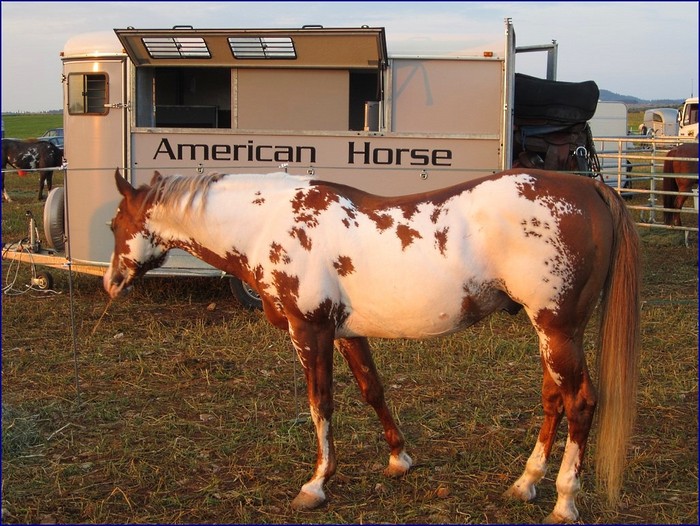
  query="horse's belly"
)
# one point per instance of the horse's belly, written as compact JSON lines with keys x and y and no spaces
{"x":422,"y":323}
{"x":416,"y":303}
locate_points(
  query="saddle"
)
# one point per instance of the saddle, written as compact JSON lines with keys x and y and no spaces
{"x":550,"y":125}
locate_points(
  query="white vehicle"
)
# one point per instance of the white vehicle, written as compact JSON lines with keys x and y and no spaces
{"x":688,"y":118}
{"x":609,"y":120}
{"x":661,"y":122}
{"x":609,"y":127}
{"x":327,"y":102}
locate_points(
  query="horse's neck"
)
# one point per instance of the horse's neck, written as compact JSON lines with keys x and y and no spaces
{"x":229,"y":218}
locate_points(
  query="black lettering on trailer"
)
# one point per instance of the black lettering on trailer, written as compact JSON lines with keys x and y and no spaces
{"x":367,"y":155}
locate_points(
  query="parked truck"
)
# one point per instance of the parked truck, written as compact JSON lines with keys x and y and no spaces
{"x":326,"y":102}
{"x":688,"y":118}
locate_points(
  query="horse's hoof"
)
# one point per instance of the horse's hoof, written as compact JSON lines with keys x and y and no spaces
{"x":307,"y":501}
{"x":399,"y":465}
{"x":394,"y":472}
{"x":555,"y":518}
{"x":519,"y":493}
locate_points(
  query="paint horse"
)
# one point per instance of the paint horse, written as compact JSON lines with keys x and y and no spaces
{"x":676,"y":164}
{"x":333,"y":264}
{"x":28,"y":156}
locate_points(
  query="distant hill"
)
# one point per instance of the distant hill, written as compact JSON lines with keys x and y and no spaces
{"x":609,"y":96}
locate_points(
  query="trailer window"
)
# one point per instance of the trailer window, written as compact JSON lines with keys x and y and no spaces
{"x":176,"y":47}
{"x":87,"y":93}
{"x":262,"y":47}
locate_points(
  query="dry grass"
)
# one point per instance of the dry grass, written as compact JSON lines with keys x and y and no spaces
{"x":186,"y":411}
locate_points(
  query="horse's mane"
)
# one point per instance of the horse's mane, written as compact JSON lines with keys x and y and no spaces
{"x":172,"y":192}
{"x":187,"y":194}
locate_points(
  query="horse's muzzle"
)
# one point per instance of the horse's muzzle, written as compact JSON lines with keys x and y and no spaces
{"x":114,"y":283}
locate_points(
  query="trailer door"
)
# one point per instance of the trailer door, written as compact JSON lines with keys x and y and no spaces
{"x":95,"y":126}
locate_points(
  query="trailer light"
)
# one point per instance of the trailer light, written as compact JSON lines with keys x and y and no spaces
{"x":488,"y":54}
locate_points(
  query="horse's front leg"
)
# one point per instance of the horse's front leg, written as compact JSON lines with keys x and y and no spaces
{"x":314,"y":347}
{"x":357,"y":353}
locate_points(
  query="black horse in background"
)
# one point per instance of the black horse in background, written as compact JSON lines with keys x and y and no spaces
{"x":29,"y":156}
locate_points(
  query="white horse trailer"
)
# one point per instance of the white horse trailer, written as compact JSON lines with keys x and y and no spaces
{"x":661,"y":122}
{"x":328,"y":102}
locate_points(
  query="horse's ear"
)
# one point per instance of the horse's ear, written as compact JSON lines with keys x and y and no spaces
{"x":156,"y":177}
{"x":123,"y":185}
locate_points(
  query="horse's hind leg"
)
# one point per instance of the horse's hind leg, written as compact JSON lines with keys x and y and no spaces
{"x":44,"y":178}
{"x":536,"y":467}
{"x":567,"y":387}
{"x":357,"y":353}
{"x":678,"y":204}
{"x":5,"y":195}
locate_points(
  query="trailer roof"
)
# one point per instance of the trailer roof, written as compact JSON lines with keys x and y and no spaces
{"x":308,"y":47}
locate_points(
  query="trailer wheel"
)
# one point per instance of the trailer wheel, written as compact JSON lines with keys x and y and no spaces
{"x":43,"y":281}
{"x":245,"y":294}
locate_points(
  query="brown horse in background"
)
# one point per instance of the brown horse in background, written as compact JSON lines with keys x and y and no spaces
{"x":674,"y":165}
{"x":30,"y":156}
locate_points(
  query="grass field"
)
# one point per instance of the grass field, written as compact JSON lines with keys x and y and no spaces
{"x":174,"y":405}
{"x":30,"y":125}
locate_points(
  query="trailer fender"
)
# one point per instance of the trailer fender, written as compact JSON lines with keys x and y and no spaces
{"x":54,"y":219}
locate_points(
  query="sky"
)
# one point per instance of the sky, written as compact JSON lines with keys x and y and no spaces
{"x":647,"y":50}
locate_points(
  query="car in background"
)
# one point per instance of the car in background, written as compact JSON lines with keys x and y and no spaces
{"x":54,"y":136}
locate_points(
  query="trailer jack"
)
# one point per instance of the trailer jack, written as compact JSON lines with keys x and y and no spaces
{"x":30,"y":245}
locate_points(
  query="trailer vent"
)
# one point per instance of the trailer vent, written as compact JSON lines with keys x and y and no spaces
{"x":262,"y":47}
{"x":176,"y":47}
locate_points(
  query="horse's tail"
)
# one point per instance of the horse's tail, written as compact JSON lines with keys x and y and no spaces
{"x":669,"y":185}
{"x":618,"y":347}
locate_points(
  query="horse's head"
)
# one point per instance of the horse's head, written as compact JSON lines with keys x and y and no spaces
{"x":136,"y":248}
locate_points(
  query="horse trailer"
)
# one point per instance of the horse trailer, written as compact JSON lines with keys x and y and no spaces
{"x":326,"y":102}
{"x":661,"y":122}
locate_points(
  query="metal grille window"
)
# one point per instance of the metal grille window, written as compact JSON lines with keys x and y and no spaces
{"x":87,"y":93}
{"x":262,"y":47}
{"x":176,"y":47}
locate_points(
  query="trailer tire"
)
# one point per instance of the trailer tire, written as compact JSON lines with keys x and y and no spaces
{"x":54,"y":219}
{"x":245,"y":294}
